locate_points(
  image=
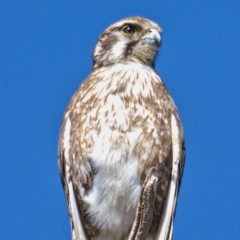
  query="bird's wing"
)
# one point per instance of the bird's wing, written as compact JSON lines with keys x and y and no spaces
{"x":165,"y":227}
{"x":65,"y":165}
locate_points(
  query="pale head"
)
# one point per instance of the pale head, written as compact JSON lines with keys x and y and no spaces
{"x":132,"y":39}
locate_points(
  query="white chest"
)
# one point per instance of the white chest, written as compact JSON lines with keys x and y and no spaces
{"x":116,"y":187}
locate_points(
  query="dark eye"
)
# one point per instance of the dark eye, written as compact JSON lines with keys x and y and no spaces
{"x":129,"y":30}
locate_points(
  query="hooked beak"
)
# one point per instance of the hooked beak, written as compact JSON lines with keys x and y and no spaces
{"x":152,"y":36}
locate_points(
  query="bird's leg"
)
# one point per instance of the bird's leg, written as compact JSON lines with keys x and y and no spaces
{"x":144,"y":213}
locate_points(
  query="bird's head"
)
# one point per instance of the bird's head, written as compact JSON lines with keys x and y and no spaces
{"x":132,"y":39}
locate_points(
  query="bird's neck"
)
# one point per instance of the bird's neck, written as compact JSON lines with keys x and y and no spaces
{"x":128,"y":77}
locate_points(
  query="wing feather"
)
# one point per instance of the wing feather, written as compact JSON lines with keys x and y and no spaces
{"x":64,"y":162}
{"x":165,"y":228}
{"x":78,"y":232}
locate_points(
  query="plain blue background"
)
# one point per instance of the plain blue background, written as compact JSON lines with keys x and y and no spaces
{"x":45,"y":53}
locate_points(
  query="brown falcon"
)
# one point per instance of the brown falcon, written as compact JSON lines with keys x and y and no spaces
{"x":119,"y":124}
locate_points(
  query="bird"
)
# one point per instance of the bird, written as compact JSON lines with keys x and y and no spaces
{"x":121,"y":123}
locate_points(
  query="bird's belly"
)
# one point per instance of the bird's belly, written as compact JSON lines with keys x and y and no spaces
{"x":113,"y":199}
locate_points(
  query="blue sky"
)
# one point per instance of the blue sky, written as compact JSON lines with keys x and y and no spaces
{"x":45,"y":53}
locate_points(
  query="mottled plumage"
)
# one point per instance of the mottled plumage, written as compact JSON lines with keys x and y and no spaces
{"x":120,"y":123}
